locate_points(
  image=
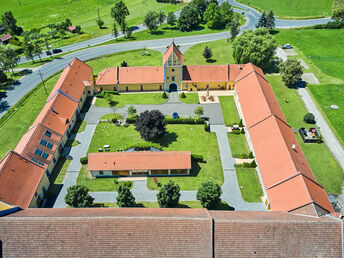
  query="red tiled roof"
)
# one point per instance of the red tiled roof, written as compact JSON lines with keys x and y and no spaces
{"x":108,"y":76}
{"x":205,"y":73}
{"x":150,"y":160}
{"x":5,"y":37}
{"x":71,"y":28}
{"x":140,"y":74}
{"x":172,"y":49}
{"x":19,"y":179}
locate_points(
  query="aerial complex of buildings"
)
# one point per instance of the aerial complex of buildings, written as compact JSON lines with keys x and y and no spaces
{"x":299,"y":221}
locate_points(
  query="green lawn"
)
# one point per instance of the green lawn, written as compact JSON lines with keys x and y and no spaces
{"x":322,"y":50}
{"x":327,"y":95}
{"x":229,"y":111}
{"x":14,"y":128}
{"x":111,"y":116}
{"x":293,"y":8}
{"x":39,"y":13}
{"x":132,"y":98}
{"x":178,"y":138}
{"x":325,"y":168}
{"x":238,"y":144}
{"x":222,"y":53}
{"x":191,"y":98}
{"x":132,"y":57}
{"x":57,"y":177}
{"x":79,"y":126}
{"x":249,"y":185}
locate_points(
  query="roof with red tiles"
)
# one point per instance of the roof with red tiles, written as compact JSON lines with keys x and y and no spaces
{"x":19,"y":179}
{"x":137,"y":160}
{"x":5,"y":37}
{"x":172,"y":49}
{"x":205,"y":73}
{"x":140,"y":74}
{"x":287,"y":176}
{"x":108,"y":76}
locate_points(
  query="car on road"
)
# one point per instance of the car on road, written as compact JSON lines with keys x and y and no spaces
{"x":175,"y":115}
{"x":48,"y":53}
{"x":287,"y":46}
{"x":57,"y":50}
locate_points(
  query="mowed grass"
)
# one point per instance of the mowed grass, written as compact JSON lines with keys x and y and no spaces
{"x":132,"y":98}
{"x":57,"y":176}
{"x":327,"y":95}
{"x":221,"y":49}
{"x":178,"y":138}
{"x":249,"y":185}
{"x":323,"y":48}
{"x":229,"y":111}
{"x":238,"y":144}
{"x":325,"y":168}
{"x":190,"y":98}
{"x":293,"y":8}
{"x":132,"y":57}
{"x":15,"y":127}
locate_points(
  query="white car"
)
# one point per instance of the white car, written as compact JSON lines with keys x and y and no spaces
{"x":287,"y":46}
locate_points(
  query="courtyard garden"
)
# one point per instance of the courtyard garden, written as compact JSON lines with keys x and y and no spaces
{"x":249,"y":184}
{"x":229,"y":110}
{"x":238,"y":145}
{"x":190,"y":98}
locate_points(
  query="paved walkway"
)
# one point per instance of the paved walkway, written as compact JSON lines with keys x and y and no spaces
{"x":173,"y":97}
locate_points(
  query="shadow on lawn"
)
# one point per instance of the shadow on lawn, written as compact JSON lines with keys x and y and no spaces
{"x":167,"y":139}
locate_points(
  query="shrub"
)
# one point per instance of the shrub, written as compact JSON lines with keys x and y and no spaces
{"x":126,"y":125}
{"x":131,"y":119}
{"x":235,"y":132}
{"x":250,"y":155}
{"x":15,"y":42}
{"x":115,"y":180}
{"x":84,"y":160}
{"x":128,"y":184}
{"x":249,"y":164}
{"x":191,"y":121}
{"x":320,"y":139}
{"x":330,"y":25}
{"x":240,"y":156}
{"x":168,"y":196}
{"x":164,"y":95}
{"x":114,"y":120}
{"x":197,"y":158}
{"x":101,"y":95}
{"x":183,"y":96}
{"x":241,"y":123}
{"x":209,"y":195}
{"x":242,"y":131}
{"x":309,"y":118}
{"x":206,"y":126}
{"x":125,"y":198}
{"x":131,"y":110}
{"x":77,"y":197}
{"x":199,"y":111}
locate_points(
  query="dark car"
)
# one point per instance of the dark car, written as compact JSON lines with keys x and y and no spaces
{"x":175,"y":115}
{"x":48,"y":53}
{"x":57,"y":50}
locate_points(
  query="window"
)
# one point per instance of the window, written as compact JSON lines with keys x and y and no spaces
{"x":88,"y":92}
{"x":35,"y":160}
{"x":35,"y":194}
{"x":40,"y":163}
{"x":168,"y":78}
{"x":160,"y":87}
{"x":49,"y":145}
{"x":54,"y":160}
{"x":172,"y":70}
{"x":83,"y":92}
{"x":219,"y":85}
{"x":38,"y":152}
{"x":141,"y":87}
{"x":81,"y":99}
{"x":101,"y":173}
{"x":45,"y":155}
{"x":173,"y":78}
{"x":43,"y":142}
{"x":47,"y":133}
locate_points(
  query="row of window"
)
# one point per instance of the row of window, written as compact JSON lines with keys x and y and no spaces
{"x":47,"y":144}
{"x":39,"y":152}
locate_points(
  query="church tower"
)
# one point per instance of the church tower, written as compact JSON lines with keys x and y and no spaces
{"x":173,"y":68}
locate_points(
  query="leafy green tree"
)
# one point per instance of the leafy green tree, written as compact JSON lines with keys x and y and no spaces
{"x":3,"y":77}
{"x":338,"y":14}
{"x":257,"y":47}
{"x":119,"y":12}
{"x":9,"y":59}
{"x":226,"y":12}
{"x":212,"y":16}
{"x":100,"y":23}
{"x":262,"y":22}
{"x":168,"y":196}
{"x":209,"y":195}
{"x":128,"y":32}
{"x":207,"y":53}
{"x":151,"y":125}
{"x":188,"y":19}
{"x":114,"y":30}
{"x":309,"y":118}
{"x":200,"y":6}
{"x":199,"y":111}
{"x":124,"y":64}
{"x":110,"y":100}
{"x":10,"y":23}
{"x":125,"y":198}
{"x":46,"y":42}
{"x":151,"y":21}
{"x":291,"y":72}
{"x":78,"y":29}
{"x":234,"y":27}
{"x":62,"y":32}
{"x":171,"y":19}
{"x":270,"y":20}
{"x":29,"y":51}
{"x":161,"y":17}
{"x":77,"y":197}
{"x":37,"y":49}
{"x":123,"y":27}
{"x":131,"y":110}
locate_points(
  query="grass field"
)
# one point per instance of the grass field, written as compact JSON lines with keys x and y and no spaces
{"x":249,"y":185}
{"x":293,"y":8}
{"x":57,"y":177}
{"x":178,"y":138}
{"x":229,"y":111}
{"x":132,"y":98}
{"x":238,"y":144}
{"x":222,"y":53}
{"x":321,"y":49}
{"x":132,"y":57}
{"x":325,"y":168}
{"x":191,"y":98}
{"x":327,"y":95}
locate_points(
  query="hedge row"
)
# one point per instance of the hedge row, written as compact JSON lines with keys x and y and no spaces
{"x":244,"y":156}
{"x":197,"y":158}
{"x":184,"y":120}
{"x":102,"y":94}
{"x":84,"y":160}
{"x":330,"y":25}
{"x":247,"y":165}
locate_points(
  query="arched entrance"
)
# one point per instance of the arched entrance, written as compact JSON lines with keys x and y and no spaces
{"x":172,"y":87}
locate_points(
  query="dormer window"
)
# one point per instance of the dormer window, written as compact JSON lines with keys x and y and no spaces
{"x":49,"y":145}
{"x":38,"y":152}
{"x":47,"y":133}
{"x":45,"y":155}
{"x":43,"y":142}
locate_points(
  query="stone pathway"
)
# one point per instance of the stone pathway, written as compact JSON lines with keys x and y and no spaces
{"x":310,"y":78}
{"x":173,"y":97}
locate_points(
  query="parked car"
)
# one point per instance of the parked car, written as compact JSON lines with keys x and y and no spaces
{"x":57,"y":50}
{"x":48,"y":53}
{"x":175,"y":115}
{"x":287,"y":46}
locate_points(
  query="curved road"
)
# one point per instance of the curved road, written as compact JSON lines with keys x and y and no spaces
{"x":13,"y":95}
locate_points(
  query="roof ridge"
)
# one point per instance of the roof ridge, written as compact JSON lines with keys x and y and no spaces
{"x":67,"y":95}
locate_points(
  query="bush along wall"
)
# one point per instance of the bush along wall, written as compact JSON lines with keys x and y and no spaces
{"x":84,"y":160}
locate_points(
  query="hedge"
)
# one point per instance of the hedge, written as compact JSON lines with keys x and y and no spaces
{"x":246,"y":165}
{"x":197,"y":158}
{"x":206,"y":127}
{"x":184,"y":120}
{"x":131,"y":119}
{"x":84,"y":160}
{"x":330,"y":25}
{"x":102,"y":94}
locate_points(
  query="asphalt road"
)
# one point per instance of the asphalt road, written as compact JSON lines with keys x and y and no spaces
{"x":13,"y":95}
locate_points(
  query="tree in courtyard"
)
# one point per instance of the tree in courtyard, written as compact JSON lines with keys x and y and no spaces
{"x":338,"y":14}
{"x":77,"y":197}
{"x":257,"y":47}
{"x":151,"y":21}
{"x":209,"y":195}
{"x":234,"y":27}
{"x":212,"y":16}
{"x":10,"y":23}
{"x":227,"y":14}
{"x":114,"y":30}
{"x":131,"y":110}
{"x":168,"y":196}
{"x":309,"y":118}
{"x":151,"y":125}
{"x":188,"y":19}
{"x":171,"y":19}
{"x":291,"y":72}
{"x":262,"y":21}
{"x":3,"y":77}
{"x":207,"y":53}
{"x":270,"y":20}
{"x":200,"y":6}
{"x":110,"y":99}
{"x":161,"y":17}
{"x":125,"y":198}
{"x":199,"y":111}
{"x":119,"y":12}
